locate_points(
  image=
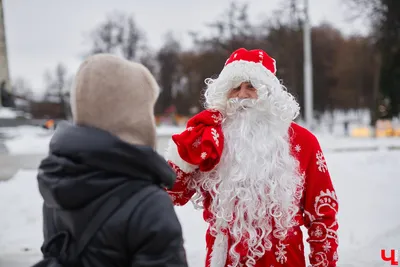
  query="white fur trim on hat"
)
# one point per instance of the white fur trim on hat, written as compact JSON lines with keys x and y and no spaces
{"x":172,"y":155}
{"x":219,"y":251}
{"x":241,"y":70}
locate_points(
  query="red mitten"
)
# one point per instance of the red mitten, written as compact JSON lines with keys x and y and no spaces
{"x":202,"y":142}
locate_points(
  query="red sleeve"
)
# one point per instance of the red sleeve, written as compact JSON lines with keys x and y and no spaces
{"x":320,"y":208}
{"x":180,"y":192}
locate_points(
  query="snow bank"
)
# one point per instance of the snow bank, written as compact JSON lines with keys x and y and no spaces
{"x":27,"y":140}
{"x":6,"y":113}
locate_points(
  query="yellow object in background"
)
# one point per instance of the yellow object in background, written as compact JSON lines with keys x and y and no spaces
{"x":361,"y":132}
{"x":384,"y":128}
{"x":397,"y":132}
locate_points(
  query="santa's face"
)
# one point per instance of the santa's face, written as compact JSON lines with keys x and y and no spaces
{"x":243,"y":91}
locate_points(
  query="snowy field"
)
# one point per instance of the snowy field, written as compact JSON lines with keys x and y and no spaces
{"x":35,"y":140}
{"x":7,"y":113}
{"x":367,"y":185}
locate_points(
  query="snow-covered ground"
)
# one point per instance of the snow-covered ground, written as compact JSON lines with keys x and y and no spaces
{"x":367,"y":185}
{"x":26,"y":139}
{"x":6,"y":113}
{"x":20,"y":223}
{"x":35,"y":140}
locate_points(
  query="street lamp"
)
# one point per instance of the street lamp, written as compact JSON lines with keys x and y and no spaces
{"x":308,"y":73}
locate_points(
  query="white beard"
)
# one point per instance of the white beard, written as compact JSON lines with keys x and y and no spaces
{"x":256,"y":184}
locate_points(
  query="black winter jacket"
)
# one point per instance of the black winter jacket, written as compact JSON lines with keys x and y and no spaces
{"x":82,"y":169}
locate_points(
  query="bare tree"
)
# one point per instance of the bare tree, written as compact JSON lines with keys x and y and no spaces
{"x":120,"y":35}
{"x":148,"y":59}
{"x":58,"y":84}
{"x":22,"y":89}
{"x":384,"y":18}
{"x":169,"y":62}
{"x":229,"y":32}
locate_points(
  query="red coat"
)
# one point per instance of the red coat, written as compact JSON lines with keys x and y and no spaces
{"x":318,"y":207}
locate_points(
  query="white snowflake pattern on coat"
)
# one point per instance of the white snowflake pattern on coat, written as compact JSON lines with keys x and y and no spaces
{"x":327,"y":246}
{"x":321,"y":162}
{"x":297,"y":148}
{"x":318,"y":232}
{"x":281,"y":253}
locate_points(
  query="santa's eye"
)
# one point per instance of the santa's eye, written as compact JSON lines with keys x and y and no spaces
{"x":250,"y":86}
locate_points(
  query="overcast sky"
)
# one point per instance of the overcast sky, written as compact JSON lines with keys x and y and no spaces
{"x":41,"y":33}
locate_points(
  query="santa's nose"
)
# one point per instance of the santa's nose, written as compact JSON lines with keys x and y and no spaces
{"x":243,"y":93}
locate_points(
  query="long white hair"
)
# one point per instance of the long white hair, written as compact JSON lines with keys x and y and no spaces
{"x":256,"y":187}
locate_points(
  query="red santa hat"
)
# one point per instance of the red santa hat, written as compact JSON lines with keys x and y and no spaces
{"x":243,"y":59}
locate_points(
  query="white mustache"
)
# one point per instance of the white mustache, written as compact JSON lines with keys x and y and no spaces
{"x":238,"y":104}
